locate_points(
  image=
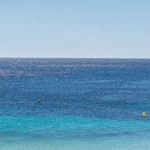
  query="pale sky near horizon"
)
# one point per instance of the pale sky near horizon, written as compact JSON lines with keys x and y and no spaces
{"x":79,"y":28}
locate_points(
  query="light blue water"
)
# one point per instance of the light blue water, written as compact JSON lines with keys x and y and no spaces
{"x":86,"y":104}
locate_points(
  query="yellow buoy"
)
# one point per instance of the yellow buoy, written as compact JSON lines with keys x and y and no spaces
{"x":143,"y":114}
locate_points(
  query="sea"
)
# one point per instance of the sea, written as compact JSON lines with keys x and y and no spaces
{"x":74,"y":104}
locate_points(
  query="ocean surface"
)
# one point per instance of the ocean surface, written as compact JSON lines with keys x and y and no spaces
{"x":85,"y":104}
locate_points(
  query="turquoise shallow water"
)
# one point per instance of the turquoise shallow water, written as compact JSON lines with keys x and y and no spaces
{"x":72,"y":133}
{"x":86,"y":104}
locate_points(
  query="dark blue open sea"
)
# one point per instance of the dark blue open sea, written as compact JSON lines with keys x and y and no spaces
{"x":85,"y":104}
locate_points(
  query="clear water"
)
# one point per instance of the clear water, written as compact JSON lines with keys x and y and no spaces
{"x":86,"y":104}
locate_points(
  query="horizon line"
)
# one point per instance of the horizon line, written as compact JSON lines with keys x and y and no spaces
{"x":73,"y":57}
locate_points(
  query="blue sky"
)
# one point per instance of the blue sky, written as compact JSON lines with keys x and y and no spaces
{"x":79,"y":28}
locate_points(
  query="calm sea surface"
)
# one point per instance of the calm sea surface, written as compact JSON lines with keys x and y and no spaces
{"x":85,"y":104}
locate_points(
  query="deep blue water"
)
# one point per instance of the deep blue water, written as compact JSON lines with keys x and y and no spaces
{"x":81,"y":100}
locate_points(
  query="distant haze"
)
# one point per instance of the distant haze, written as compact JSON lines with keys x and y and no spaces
{"x":79,"y":28}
